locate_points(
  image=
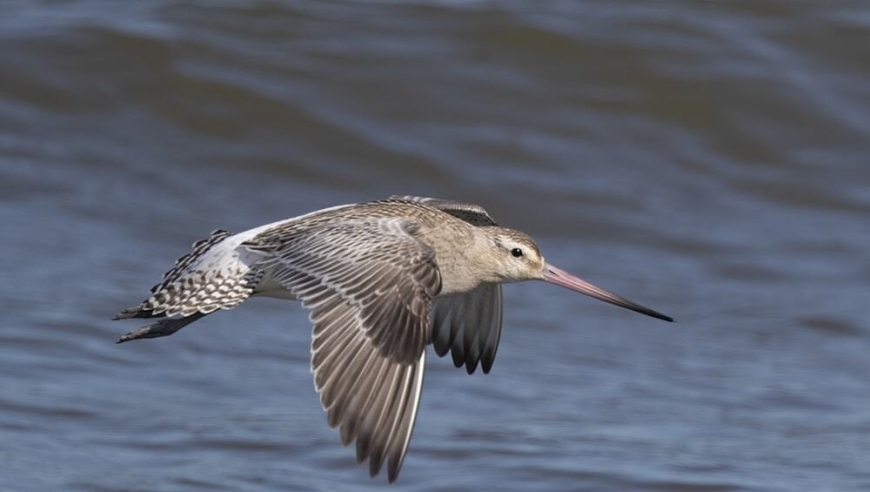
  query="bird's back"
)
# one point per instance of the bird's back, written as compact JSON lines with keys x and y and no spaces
{"x":417,"y":214}
{"x":223,"y":270}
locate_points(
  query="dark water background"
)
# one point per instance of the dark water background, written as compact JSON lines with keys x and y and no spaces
{"x":708,"y":159}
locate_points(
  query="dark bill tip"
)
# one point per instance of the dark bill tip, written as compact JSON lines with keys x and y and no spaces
{"x":564,"y":279}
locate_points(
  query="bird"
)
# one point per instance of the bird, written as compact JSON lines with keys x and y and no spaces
{"x":381,"y":280}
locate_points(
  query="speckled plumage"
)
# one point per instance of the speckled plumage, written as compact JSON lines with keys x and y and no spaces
{"x":381,"y":281}
{"x":192,"y":287}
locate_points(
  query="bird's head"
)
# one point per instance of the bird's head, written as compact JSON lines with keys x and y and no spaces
{"x":515,"y":257}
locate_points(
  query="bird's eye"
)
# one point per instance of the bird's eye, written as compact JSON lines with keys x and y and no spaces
{"x":517,"y":252}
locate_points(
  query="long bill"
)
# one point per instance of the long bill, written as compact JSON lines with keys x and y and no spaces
{"x":562,"y":278}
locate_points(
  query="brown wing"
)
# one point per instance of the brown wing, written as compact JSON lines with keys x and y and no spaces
{"x":370,"y":286}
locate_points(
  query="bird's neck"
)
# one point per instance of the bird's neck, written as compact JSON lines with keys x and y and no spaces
{"x":459,"y":260}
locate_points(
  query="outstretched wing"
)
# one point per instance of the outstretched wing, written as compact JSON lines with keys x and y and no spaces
{"x":468,"y":325}
{"x":370,"y":287}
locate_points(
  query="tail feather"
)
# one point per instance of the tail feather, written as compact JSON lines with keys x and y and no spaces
{"x":162,"y":328}
{"x":209,"y":277}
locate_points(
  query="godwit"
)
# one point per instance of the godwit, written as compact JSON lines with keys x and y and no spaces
{"x":381,"y":280}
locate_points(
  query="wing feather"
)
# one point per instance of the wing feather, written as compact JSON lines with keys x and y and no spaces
{"x":469,"y":326}
{"x":398,"y":446}
{"x":370,"y":286}
{"x":469,"y":212}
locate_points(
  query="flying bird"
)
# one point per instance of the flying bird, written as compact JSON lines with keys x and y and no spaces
{"x":382,"y":280}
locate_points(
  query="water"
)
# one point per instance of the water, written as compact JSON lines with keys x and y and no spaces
{"x":705,"y":159}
